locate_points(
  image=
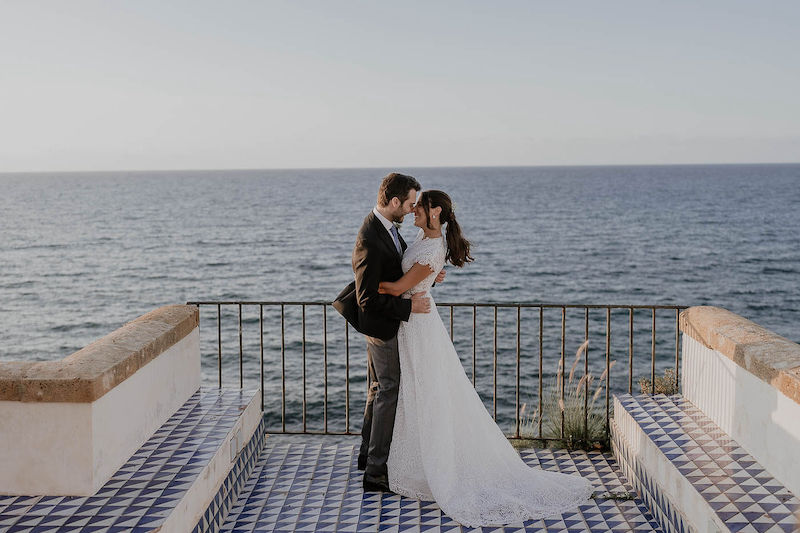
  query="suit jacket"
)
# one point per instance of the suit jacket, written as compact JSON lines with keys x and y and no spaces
{"x":375,"y":259}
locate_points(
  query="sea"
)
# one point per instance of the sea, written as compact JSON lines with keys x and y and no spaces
{"x":83,"y":253}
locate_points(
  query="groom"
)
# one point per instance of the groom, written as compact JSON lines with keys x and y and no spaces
{"x":376,"y":257}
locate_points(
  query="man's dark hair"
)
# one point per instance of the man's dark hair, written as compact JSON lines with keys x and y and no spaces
{"x":396,"y":185}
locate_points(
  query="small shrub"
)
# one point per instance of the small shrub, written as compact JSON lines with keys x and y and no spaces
{"x":666,"y":384}
{"x":582,"y":429}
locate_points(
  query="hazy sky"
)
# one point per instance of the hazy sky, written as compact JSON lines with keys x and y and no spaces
{"x":189,"y":85}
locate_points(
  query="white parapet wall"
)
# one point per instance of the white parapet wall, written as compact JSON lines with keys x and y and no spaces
{"x":747,"y":380}
{"x":66,"y":426}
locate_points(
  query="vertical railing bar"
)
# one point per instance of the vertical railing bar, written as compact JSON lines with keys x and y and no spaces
{"x":283,"y":369}
{"x":608,"y":370}
{"x":653,"y":354}
{"x":219,"y":344}
{"x":585,"y":373}
{"x":325,"y":366}
{"x":261,"y":327}
{"x":474,"y":345}
{"x":451,"y":322}
{"x":304,"y":366}
{"x":494,"y":371}
{"x":630,"y":351}
{"x":541,"y":369}
{"x":347,"y":376}
{"x":677,"y":346}
{"x":519,"y":334}
{"x":241,"y":359}
{"x":562,"y":366}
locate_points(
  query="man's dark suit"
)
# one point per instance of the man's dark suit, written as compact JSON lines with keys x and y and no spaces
{"x":377,"y":316}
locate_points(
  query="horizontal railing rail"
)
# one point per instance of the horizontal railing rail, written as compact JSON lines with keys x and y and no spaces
{"x":283,"y":375}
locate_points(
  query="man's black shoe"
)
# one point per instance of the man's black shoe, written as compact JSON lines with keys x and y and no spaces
{"x":362,"y":462}
{"x":376,"y":483}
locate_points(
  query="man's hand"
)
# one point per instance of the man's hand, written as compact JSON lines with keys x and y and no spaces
{"x":420,"y":303}
{"x":440,"y":276}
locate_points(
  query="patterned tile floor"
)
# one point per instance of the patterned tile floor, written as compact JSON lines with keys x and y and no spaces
{"x":148,"y":486}
{"x":315,"y":486}
{"x":744,"y":495}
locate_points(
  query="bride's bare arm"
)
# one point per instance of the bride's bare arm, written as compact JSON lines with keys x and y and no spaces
{"x":416,"y":273}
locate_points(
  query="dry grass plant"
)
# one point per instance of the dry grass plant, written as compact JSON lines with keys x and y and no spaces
{"x":581,"y":431}
{"x":666,"y":384}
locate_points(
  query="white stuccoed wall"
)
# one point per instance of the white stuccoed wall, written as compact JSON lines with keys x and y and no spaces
{"x":73,"y":448}
{"x":759,"y":417}
{"x":129,"y":414}
{"x":47,"y":448}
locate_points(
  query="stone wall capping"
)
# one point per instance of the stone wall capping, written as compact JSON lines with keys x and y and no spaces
{"x":766,"y":355}
{"x":91,"y":372}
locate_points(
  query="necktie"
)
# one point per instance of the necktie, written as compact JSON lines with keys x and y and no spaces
{"x":396,"y":238}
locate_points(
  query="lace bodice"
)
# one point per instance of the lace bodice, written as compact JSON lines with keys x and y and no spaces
{"x":425,"y":251}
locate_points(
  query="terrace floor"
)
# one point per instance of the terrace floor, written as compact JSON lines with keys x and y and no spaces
{"x":306,"y":483}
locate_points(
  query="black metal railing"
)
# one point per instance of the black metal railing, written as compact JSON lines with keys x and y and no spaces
{"x":283,"y":376}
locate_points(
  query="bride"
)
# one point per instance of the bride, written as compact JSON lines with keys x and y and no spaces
{"x":445,"y":446}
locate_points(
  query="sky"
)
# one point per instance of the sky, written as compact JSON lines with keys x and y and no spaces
{"x":136,"y":85}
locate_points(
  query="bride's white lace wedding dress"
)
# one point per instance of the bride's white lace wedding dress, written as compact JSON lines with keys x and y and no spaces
{"x":445,"y":446}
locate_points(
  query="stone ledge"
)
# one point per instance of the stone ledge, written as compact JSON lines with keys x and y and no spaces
{"x":766,"y":355}
{"x":94,"y":370}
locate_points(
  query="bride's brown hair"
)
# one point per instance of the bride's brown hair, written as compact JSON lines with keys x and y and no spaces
{"x":457,"y":245}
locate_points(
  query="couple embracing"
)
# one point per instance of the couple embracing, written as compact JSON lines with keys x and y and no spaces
{"x":426,"y":432}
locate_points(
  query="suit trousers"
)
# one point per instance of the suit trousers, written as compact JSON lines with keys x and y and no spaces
{"x":383,"y":370}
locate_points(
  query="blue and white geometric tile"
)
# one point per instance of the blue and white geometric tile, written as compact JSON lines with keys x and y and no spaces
{"x":742,"y":494}
{"x":145,"y":490}
{"x":300,"y":486}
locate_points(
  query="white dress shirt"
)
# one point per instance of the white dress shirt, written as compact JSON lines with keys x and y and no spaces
{"x":386,"y":223}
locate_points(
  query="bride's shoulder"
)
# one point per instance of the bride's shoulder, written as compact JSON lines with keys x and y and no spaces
{"x":429,"y":251}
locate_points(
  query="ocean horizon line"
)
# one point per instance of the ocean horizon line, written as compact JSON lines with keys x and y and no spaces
{"x":399,"y":167}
